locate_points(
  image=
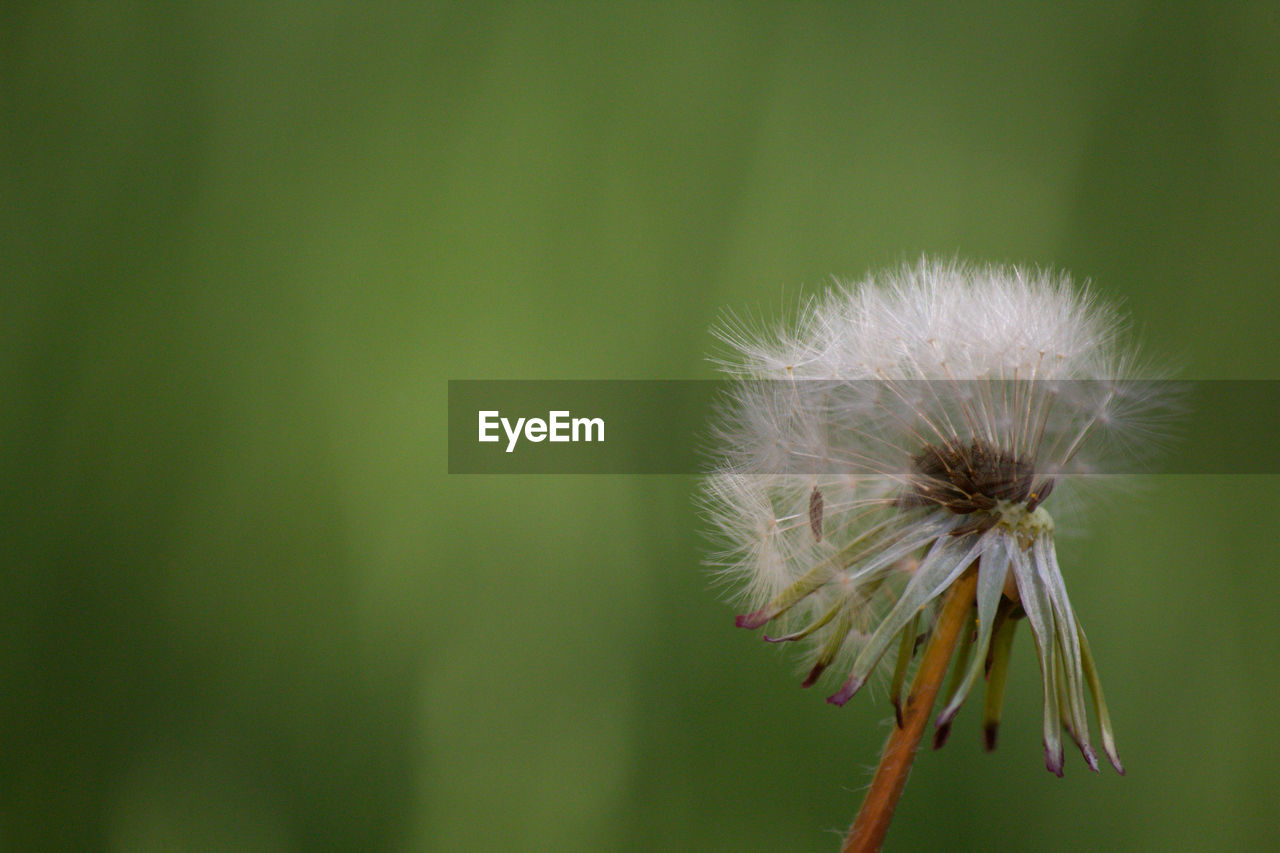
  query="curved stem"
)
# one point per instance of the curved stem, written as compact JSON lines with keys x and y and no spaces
{"x":872,"y":823}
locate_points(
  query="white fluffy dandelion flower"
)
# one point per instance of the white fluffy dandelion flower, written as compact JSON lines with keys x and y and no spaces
{"x":902,"y":434}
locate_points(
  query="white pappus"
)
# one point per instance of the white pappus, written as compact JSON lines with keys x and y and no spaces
{"x":904,"y":430}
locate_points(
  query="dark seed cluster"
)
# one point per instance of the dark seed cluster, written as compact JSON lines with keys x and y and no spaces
{"x":966,"y":478}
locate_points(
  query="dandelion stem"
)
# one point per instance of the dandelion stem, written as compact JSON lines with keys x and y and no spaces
{"x":872,"y":823}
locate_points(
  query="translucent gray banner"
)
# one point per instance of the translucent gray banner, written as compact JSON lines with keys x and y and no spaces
{"x":1066,"y":427}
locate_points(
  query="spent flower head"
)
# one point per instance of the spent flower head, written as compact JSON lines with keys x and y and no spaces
{"x":904,"y":431}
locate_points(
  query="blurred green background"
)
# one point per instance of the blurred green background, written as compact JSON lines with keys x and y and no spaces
{"x":244,"y":246}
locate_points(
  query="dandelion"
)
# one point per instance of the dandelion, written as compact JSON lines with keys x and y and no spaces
{"x":885,"y":459}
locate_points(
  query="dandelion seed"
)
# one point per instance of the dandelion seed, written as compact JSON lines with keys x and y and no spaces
{"x":815,"y":513}
{"x":922,"y":419}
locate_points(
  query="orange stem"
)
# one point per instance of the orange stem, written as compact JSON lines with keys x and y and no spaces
{"x":872,"y":823}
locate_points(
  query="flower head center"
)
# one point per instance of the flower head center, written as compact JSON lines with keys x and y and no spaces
{"x":973,"y":477}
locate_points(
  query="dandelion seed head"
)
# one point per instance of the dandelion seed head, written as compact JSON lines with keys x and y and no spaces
{"x":903,"y":429}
